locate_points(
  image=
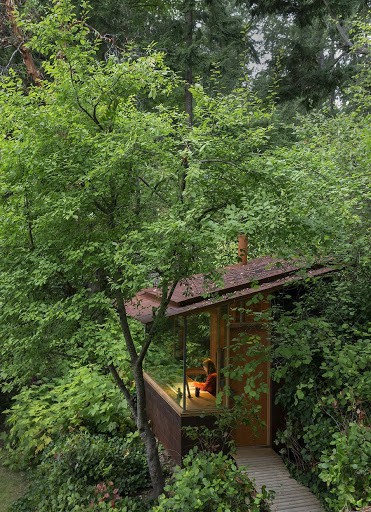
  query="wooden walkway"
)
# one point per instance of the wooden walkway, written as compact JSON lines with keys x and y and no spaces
{"x":266,"y":467}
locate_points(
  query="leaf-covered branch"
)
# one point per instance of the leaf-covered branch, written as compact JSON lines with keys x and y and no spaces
{"x":123,"y":388}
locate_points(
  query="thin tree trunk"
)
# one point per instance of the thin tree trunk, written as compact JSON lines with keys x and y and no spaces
{"x":188,"y":76}
{"x":141,"y":417}
{"x":32,"y":70}
{"x":153,"y":460}
{"x":188,"y":72}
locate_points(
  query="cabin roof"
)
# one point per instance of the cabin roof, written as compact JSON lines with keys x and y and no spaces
{"x":201,"y":292}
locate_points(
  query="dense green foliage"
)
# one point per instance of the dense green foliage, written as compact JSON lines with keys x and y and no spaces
{"x":323,"y":357}
{"x":211,"y":38}
{"x":211,"y":482}
{"x":96,"y":165}
{"x":309,"y":48}
{"x":308,"y":45}
{"x":83,"y":400}
{"x":81,"y":468}
{"x":322,"y":347}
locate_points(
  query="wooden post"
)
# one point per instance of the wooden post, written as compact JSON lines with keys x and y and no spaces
{"x":242,"y":249}
{"x":227,"y":380}
{"x":184,"y":363}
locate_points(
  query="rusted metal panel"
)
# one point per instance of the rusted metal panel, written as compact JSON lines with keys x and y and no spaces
{"x":258,"y":432}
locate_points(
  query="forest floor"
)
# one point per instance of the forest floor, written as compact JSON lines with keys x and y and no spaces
{"x":13,"y":485}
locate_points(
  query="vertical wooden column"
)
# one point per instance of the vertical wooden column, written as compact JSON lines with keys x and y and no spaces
{"x":184,"y":363}
{"x":228,"y":355}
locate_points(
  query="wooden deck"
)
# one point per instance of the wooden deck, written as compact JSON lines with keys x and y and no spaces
{"x":266,"y":467}
{"x":204,"y":403}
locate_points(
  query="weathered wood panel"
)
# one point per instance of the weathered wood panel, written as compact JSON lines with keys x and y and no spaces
{"x":165,"y":422}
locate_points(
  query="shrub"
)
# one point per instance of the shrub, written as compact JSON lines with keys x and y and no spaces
{"x":83,"y":399}
{"x":322,"y":358}
{"x":125,"y":504}
{"x":211,"y":483}
{"x":107,"y":498}
{"x":346,"y":469}
{"x":95,"y":458}
{"x":71,"y":469}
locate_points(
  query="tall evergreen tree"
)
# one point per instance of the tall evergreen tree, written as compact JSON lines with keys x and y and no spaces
{"x":309,"y":46}
{"x":219,"y":38}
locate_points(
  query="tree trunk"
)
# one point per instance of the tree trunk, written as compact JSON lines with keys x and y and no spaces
{"x":188,"y":72}
{"x":188,"y":76}
{"x":153,"y":460}
{"x":141,"y":417}
{"x":32,"y":71}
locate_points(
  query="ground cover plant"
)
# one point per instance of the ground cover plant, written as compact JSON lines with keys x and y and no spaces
{"x":211,"y":482}
{"x":13,"y":486}
{"x":82,"y":400}
{"x":82,"y":469}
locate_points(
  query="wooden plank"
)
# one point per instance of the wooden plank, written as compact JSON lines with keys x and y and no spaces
{"x":303,"y":508}
{"x":290,"y":499}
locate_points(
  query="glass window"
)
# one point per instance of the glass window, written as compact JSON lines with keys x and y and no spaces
{"x":175,"y":360}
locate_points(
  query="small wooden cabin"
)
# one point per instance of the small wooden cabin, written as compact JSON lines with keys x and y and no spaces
{"x":233,"y":316}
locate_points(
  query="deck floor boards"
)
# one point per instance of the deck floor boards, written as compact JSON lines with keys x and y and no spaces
{"x":266,"y":467}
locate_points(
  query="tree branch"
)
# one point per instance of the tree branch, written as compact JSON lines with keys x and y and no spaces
{"x":121,"y":310}
{"x":153,"y":190}
{"x":29,"y":222}
{"x":32,"y":70}
{"x":165,"y":299}
{"x":100,"y":207}
{"x":343,"y":33}
{"x":93,"y":116}
{"x":210,"y":210}
{"x":13,"y":55}
{"x":123,"y":388}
